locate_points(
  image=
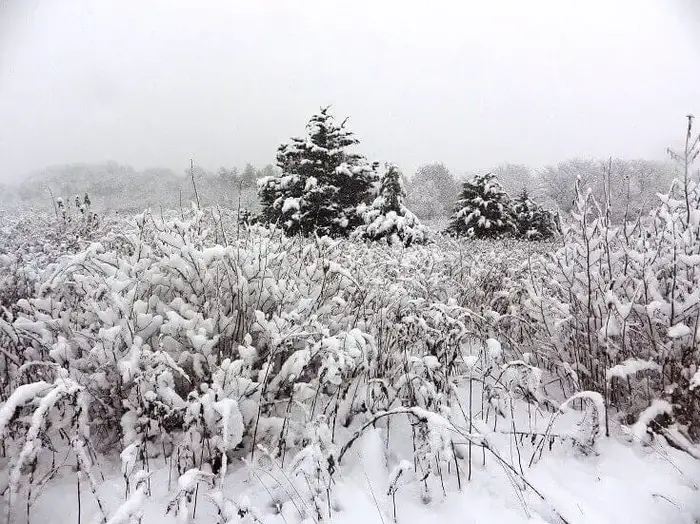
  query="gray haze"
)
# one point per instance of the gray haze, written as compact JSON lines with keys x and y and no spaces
{"x":472,"y":84}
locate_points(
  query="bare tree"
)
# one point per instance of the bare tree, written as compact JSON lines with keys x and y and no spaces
{"x":516,"y":177}
{"x":433,"y":187}
{"x":633,"y":184}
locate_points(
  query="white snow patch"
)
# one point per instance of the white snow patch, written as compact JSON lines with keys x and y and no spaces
{"x":631,"y":367}
{"x":678,"y":331}
{"x":641,"y":427}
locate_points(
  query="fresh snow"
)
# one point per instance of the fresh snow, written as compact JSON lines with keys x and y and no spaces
{"x":22,"y":395}
{"x":622,"y":483}
{"x":631,"y":367}
{"x":679,"y":330}
{"x":178,"y":372}
{"x":641,"y":428}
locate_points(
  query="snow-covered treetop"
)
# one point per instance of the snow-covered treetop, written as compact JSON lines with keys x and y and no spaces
{"x":391,"y":190}
{"x":326,"y":143}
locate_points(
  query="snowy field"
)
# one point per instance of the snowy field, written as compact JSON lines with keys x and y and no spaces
{"x":180,"y":367}
{"x":318,"y":262}
{"x":623,"y":482}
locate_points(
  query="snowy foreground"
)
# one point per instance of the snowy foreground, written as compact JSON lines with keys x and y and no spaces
{"x":623,"y":483}
{"x":185,"y":369}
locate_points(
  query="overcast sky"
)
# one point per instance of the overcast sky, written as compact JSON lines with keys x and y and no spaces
{"x":469,"y":83}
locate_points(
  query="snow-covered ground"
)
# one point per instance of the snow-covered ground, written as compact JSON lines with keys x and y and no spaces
{"x":622,"y":482}
{"x":375,"y":383}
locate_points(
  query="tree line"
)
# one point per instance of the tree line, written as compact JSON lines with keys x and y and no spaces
{"x":634,"y":184}
{"x":324,"y":187}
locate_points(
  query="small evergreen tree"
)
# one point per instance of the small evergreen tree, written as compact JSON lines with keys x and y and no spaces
{"x":532,"y":221}
{"x":483,"y":210}
{"x":391,"y":190}
{"x":321,"y":183}
{"x":387,"y":217}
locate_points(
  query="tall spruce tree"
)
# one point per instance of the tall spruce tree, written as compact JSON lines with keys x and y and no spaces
{"x":321,"y":183}
{"x":532,"y":221}
{"x":483,"y":210}
{"x":387,"y":217}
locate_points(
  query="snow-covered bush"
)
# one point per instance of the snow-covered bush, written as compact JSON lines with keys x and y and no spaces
{"x":532,"y":221}
{"x":29,"y":242}
{"x":619,"y":304}
{"x":186,"y":339}
{"x":206,"y":352}
{"x":387,"y":217}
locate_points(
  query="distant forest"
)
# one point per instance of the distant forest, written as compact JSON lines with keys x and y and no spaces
{"x":432,"y":189}
{"x":118,"y":187}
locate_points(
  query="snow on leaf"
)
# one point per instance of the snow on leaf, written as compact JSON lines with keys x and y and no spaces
{"x":679,"y":330}
{"x":631,"y":367}
{"x":641,"y":427}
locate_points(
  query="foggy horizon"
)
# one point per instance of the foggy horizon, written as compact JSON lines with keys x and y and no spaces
{"x":472,"y":86}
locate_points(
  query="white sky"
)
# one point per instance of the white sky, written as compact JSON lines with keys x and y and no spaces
{"x":469,"y":83}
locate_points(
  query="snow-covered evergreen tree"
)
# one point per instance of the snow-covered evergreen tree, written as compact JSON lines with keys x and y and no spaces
{"x":321,"y":183}
{"x":388,"y":217}
{"x":483,"y":210}
{"x":532,"y":221}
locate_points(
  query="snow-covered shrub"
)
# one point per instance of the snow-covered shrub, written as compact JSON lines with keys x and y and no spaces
{"x":532,"y":221}
{"x":619,"y":304}
{"x":387,"y":217}
{"x":315,"y":465}
{"x":205,"y":342}
{"x":58,"y":410}
{"x":204,"y":351}
{"x":30,"y":242}
{"x":131,"y":510}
